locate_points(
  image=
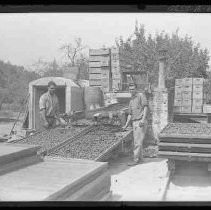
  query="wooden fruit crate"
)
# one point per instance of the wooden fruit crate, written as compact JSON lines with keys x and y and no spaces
{"x":187,"y":87}
{"x":186,"y":95}
{"x":196,"y":109}
{"x":197,"y":88}
{"x":94,"y":76}
{"x":95,"y":70}
{"x":99,"y":51}
{"x":198,"y":81}
{"x":178,"y":82}
{"x":186,"y":102}
{"x":198,"y":95}
{"x":185,"y":109}
{"x":177,"y":102}
{"x":207,"y":108}
{"x":94,"y":64}
{"x":187,"y":81}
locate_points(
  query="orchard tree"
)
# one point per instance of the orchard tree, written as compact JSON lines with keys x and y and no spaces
{"x":185,"y":58}
{"x":73,"y":51}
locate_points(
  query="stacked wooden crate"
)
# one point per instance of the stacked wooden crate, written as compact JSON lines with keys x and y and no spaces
{"x":188,"y":96}
{"x":121,"y":61}
{"x":178,"y":95}
{"x":197,"y":95}
{"x":100,"y":68}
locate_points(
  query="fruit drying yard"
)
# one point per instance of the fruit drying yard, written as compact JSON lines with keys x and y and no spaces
{"x":93,"y":144}
{"x":48,"y":139}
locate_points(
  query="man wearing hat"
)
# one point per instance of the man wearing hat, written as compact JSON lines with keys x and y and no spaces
{"x":138,"y":115}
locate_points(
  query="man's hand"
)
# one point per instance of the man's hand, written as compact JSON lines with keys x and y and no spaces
{"x":62,"y":122}
{"x":46,"y":125}
{"x":124,"y":128}
{"x":141,"y":123}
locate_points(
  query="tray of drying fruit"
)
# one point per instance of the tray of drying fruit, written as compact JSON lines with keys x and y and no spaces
{"x":96,"y":144}
{"x":187,"y":130}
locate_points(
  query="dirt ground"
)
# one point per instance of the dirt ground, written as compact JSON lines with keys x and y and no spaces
{"x":143,"y":182}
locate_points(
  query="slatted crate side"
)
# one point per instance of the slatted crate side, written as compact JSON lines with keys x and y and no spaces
{"x":197,"y":102}
{"x":178,"y":82}
{"x":207,"y":108}
{"x":198,"y":95}
{"x":188,"y":81}
{"x":105,"y":64}
{"x":186,"y":109}
{"x":186,"y":94}
{"x":177,"y":109}
{"x":95,"y":82}
{"x":94,"y":76}
{"x":197,"y":109}
{"x":187,"y":87}
{"x":198,"y":81}
{"x":186,"y":102}
{"x":95,"y":64}
{"x":197,"y":88}
{"x":178,"y":92}
{"x":95,"y":58}
{"x":177,"y":102}
{"x":105,"y":73}
{"x":95,"y":70}
{"x":105,"y":51}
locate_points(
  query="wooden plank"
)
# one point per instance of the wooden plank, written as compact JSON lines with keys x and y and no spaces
{"x":18,"y":164}
{"x":184,"y":136}
{"x":95,"y":82}
{"x":184,"y":145}
{"x":94,"y":64}
{"x":95,"y":70}
{"x":94,"y":76}
{"x":95,"y":58}
{"x":11,"y":155}
{"x":81,"y":181}
{"x":181,"y":147}
{"x":184,"y":154}
{"x":91,"y":190}
{"x":102,"y":51}
{"x":186,"y":140}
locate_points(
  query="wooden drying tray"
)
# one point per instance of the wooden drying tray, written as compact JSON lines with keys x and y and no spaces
{"x":185,"y":147}
{"x":78,"y":135}
{"x":107,"y":153}
{"x":204,"y":157}
{"x":186,"y":136}
{"x":103,"y":156}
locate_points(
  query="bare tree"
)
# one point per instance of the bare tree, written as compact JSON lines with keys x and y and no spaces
{"x":73,"y":51}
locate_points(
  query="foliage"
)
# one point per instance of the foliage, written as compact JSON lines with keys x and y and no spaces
{"x":14,"y":82}
{"x":184,"y":57}
{"x":73,"y":51}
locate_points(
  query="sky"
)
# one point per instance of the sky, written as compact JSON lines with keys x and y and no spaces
{"x":27,"y":37}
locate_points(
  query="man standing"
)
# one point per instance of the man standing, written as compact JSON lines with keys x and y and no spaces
{"x":138,"y":115}
{"x":49,"y":107}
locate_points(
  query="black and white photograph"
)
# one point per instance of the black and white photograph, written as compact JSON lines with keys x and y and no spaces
{"x":106,"y":107}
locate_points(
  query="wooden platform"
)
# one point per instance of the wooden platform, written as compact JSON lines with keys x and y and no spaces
{"x":14,"y":157}
{"x":187,"y":147}
{"x":28,"y":177}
